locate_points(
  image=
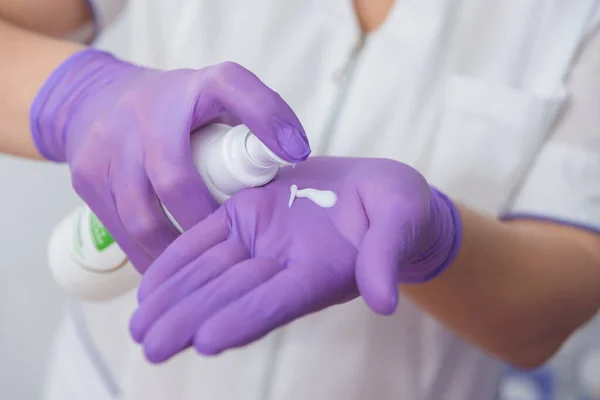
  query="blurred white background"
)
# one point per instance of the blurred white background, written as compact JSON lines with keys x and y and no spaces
{"x":35,"y":196}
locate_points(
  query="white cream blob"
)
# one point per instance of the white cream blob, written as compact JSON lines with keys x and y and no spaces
{"x":322,"y":198}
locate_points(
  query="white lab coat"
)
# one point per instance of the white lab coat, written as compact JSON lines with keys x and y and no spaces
{"x":467,"y":91}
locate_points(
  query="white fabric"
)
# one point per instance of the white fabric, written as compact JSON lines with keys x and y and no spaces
{"x":466,"y":91}
{"x":71,"y":376}
{"x":564,"y":180}
{"x":105,"y":12}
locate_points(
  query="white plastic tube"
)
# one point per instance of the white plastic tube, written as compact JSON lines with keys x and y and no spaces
{"x":85,"y":260}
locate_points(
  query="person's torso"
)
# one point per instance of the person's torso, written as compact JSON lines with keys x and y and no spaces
{"x":466,"y":91}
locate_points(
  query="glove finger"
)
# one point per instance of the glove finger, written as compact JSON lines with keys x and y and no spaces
{"x":177,"y":183}
{"x":208,"y":266}
{"x":86,"y":176}
{"x":139,"y":209}
{"x":187,"y":247}
{"x":172,"y":172}
{"x":174,"y":330}
{"x":108,"y":215}
{"x":388,"y":244}
{"x":242,"y":94}
{"x":381,"y":255}
{"x":395,"y":226}
{"x":293,"y":293}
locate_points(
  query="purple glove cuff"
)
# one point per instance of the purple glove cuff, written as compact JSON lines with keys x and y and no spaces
{"x":446,"y":244}
{"x":65,"y":88}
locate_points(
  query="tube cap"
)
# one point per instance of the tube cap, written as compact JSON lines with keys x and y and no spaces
{"x":232,"y":159}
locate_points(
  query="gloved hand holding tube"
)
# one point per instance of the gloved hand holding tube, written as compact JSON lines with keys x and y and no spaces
{"x":83,"y":256}
{"x":125,"y":131}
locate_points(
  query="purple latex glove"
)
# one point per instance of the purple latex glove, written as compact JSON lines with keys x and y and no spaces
{"x":256,"y":264}
{"x":125,"y":133}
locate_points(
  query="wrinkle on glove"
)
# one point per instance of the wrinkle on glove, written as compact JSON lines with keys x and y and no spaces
{"x":125,"y":132}
{"x":256,"y":264}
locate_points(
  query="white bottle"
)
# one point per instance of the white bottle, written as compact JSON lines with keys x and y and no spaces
{"x":83,"y":256}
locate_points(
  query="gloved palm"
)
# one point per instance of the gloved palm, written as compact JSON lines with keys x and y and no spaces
{"x":125,"y":131}
{"x":256,"y":263}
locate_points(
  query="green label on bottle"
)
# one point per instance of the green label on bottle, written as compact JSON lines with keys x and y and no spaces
{"x":102,"y":239}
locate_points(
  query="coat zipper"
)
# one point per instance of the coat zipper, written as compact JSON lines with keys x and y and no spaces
{"x":342,"y":77}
